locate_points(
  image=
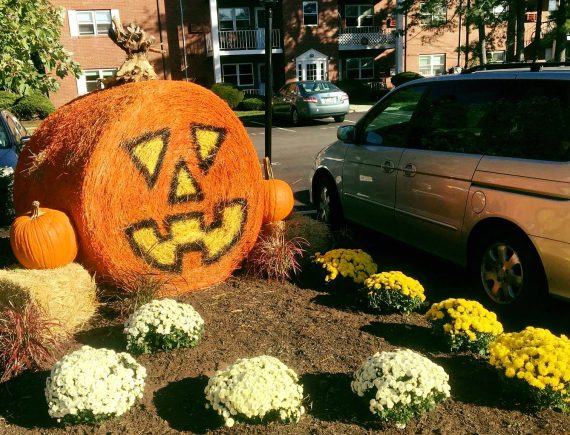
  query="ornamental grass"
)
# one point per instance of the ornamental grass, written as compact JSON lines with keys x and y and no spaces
{"x":66,"y":295}
{"x":345,"y":267}
{"x":393,"y":292}
{"x":465,"y":325}
{"x":535,"y":365}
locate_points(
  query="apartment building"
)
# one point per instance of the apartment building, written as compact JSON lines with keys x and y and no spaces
{"x":210,"y":41}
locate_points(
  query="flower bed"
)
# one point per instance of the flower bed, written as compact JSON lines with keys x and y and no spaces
{"x":256,"y":390}
{"x":163,"y":325}
{"x":400,"y":385}
{"x":394,"y":291}
{"x":465,"y":325}
{"x":91,"y":385}
{"x":536,"y":364}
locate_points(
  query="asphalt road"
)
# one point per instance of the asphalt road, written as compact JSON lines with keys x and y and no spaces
{"x":294,"y":149}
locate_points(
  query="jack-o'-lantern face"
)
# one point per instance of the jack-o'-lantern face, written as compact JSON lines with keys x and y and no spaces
{"x":184,"y":231}
{"x":159,"y":178}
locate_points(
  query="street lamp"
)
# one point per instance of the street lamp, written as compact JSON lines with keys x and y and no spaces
{"x":269,"y":4}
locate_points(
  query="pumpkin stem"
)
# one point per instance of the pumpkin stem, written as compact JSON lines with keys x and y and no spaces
{"x":267,"y":169}
{"x":36,"y":212}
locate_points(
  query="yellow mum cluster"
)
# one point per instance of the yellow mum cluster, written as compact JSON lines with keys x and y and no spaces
{"x":349,"y":263}
{"x":536,"y":355}
{"x":396,"y":281}
{"x":465,"y":317}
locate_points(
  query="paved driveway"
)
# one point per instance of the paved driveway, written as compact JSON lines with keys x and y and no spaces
{"x":294,"y":149}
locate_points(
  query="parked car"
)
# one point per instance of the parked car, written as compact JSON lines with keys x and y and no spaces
{"x":310,"y":100}
{"x":474,"y":168}
{"x":13,"y":136}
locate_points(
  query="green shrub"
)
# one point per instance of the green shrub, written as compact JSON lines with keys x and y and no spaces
{"x":229,"y":93}
{"x":404,"y":77}
{"x":252,"y":104}
{"x":7,"y":99}
{"x":32,"y":106}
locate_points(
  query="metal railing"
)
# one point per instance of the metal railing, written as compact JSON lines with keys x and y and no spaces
{"x":247,"y":39}
{"x":364,"y":37}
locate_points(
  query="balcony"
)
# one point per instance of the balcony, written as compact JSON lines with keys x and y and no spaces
{"x":244,"y":42}
{"x":362,"y":38}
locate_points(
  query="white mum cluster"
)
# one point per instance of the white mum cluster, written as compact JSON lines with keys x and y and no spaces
{"x":255,"y":388}
{"x":163,"y":325}
{"x":400,"y":382}
{"x":6,"y":171}
{"x":93,"y":384}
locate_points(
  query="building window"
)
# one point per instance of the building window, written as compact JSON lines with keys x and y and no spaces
{"x":432,"y":14}
{"x":88,"y":80}
{"x":359,"y":15}
{"x":360,"y":68}
{"x":240,"y":74}
{"x":233,"y":18}
{"x":432,"y":64}
{"x":496,"y":56}
{"x":93,"y":22}
{"x":310,"y":13}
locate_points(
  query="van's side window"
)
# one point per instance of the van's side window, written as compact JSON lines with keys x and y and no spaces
{"x":537,"y":118}
{"x":454,"y":116}
{"x":4,"y":141}
{"x":388,"y":124}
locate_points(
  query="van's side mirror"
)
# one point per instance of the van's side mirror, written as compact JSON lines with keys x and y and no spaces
{"x":25,"y":139}
{"x":346,"y":133}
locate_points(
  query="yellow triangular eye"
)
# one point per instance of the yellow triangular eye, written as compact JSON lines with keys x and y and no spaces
{"x":207,"y":141}
{"x":184,"y":187}
{"x":147,"y":153}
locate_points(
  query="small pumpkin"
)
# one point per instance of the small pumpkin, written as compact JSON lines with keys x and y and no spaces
{"x":279,"y":200}
{"x":43,"y":238}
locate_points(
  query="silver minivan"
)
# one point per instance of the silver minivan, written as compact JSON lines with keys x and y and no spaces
{"x":474,"y":168}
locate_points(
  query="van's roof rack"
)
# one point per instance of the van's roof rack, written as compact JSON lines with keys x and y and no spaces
{"x":533,"y":66}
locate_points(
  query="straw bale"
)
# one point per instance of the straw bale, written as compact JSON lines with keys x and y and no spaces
{"x":316,"y":233}
{"x":66,"y":294}
{"x":159,"y":178}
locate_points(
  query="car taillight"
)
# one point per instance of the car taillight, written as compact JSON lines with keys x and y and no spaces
{"x":343,"y":97}
{"x":310,"y":100}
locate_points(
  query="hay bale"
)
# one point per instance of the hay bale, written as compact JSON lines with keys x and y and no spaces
{"x":159,"y":178}
{"x":316,"y":233}
{"x":66,"y":294}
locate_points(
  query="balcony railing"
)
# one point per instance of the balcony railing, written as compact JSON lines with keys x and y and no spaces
{"x":356,"y":38}
{"x":244,"y":39}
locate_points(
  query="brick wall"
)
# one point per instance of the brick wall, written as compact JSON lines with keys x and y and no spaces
{"x":98,"y":52}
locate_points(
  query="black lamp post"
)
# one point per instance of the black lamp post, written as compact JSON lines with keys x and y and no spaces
{"x":269,"y":4}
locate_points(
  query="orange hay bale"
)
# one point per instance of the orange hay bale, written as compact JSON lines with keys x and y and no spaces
{"x":158,"y":177}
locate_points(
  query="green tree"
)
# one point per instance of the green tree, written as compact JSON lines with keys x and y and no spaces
{"x":31,"y":55}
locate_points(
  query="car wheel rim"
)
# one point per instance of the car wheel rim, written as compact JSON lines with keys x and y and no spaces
{"x":502,"y":273}
{"x":324,"y":206}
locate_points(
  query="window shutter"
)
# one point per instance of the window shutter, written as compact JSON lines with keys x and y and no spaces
{"x":81,"y":85}
{"x":115,"y":13}
{"x":73,"y":28}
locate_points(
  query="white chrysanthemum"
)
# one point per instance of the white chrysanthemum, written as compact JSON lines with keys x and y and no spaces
{"x":255,"y":388}
{"x":6,"y":171}
{"x":399,"y":379}
{"x":163,"y":325}
{"x":91,"y":384}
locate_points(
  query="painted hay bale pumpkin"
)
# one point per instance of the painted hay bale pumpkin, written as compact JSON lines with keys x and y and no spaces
{"x":66,"y":295}
{"x":158,"y":178}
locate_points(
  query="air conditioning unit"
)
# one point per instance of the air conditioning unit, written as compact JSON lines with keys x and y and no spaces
{"x":530,"y":17}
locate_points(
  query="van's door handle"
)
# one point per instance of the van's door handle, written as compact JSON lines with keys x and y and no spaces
{"x":410,"y":170}
{"x":388,"y":166}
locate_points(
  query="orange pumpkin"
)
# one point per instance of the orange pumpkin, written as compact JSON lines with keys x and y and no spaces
{"x":159,"y":178}
{"x":279,"y":200}
{"x":43,"y":238}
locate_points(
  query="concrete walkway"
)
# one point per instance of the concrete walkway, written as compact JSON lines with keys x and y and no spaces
{"x":359,"y":108}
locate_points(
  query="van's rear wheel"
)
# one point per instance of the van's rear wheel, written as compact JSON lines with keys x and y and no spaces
{"x":506,"y":267}
{"x":339,"y":118}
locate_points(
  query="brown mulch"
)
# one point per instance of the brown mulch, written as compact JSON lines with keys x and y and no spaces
{"x":323,"y":336}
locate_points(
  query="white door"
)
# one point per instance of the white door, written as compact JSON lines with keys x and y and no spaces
{"x":312,"y":70}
